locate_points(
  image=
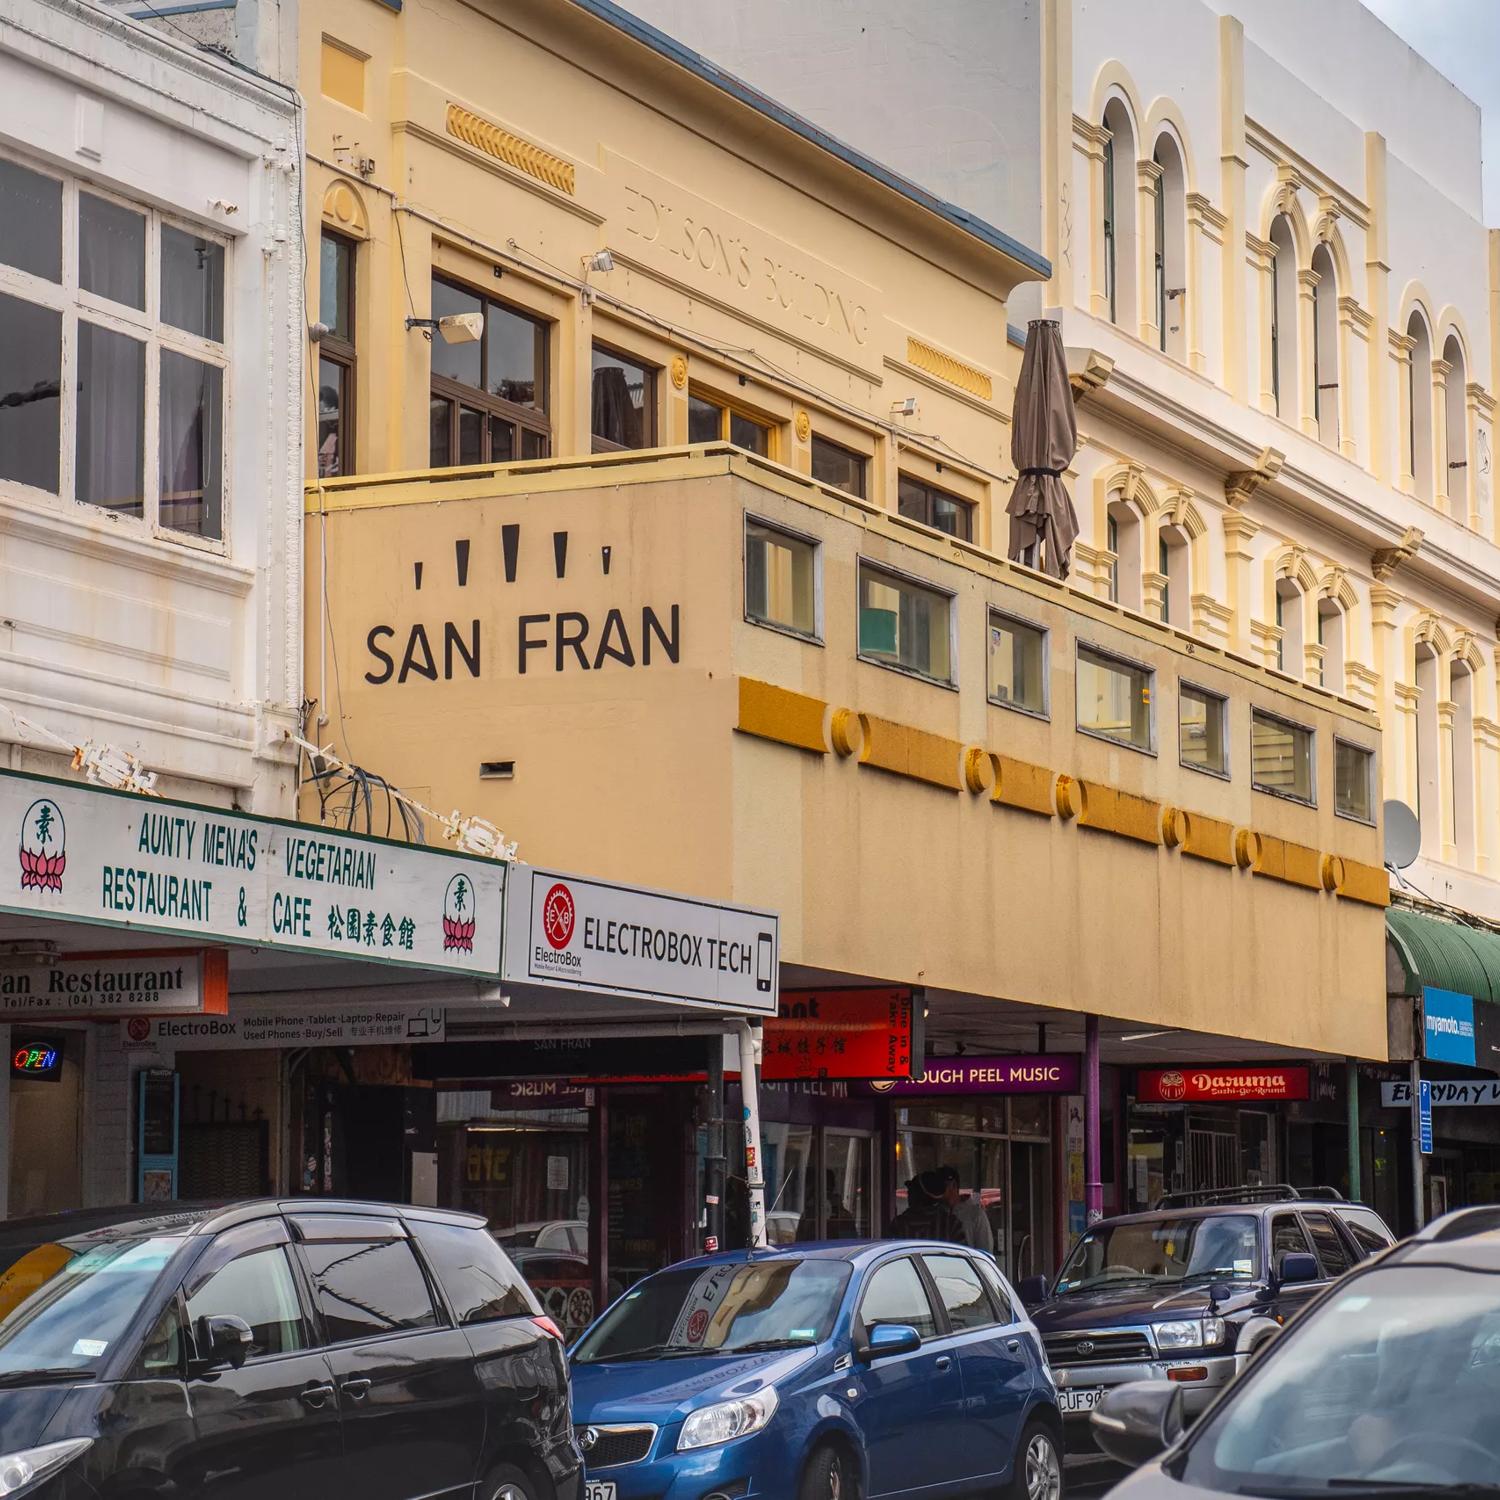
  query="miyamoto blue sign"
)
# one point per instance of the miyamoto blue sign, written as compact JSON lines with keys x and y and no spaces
{"x":1448,"y":1026}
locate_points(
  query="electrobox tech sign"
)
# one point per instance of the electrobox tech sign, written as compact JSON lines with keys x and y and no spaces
{"x":593,"y":935}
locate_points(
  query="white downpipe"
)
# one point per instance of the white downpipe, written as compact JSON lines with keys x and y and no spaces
{"x":750,"y":1051}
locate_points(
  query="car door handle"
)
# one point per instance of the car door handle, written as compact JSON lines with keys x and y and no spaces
{"x":356,"y":1390}
{"x":316,"y":1396}
{"x":1014,"y":1345}
{"x":944,"y":1362}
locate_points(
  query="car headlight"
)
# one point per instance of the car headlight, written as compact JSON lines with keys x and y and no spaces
{"x":725,"y":1421}
{"x":17,"y":1470}
{"x":1194,"y":1333}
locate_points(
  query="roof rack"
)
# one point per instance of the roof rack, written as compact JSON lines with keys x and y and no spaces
{"x":1271,"y":1192}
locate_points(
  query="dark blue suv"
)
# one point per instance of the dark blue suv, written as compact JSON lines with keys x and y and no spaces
{"x":1189,"y":1291}
{"x":817,"y":1372}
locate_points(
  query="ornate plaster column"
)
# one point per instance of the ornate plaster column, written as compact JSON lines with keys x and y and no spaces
{"x":1441,"y":370}
{"x":1206,"y":239}
{"x":1401,"y":346}
{"x":1148,"y":185}
{"x":1089,"y":141}
{"x":1307,"y":314}
{"x":1259,"y":255}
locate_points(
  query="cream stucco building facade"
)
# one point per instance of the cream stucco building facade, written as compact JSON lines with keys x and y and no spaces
{"x":1276,"y":288}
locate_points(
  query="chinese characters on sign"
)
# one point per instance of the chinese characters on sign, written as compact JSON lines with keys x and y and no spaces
{"x":841,"y":1034}
{"x":100,"y":856}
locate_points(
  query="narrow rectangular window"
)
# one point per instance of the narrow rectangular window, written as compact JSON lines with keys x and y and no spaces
{"x":30,"y":222}
{"x":781,"y":578}
{"x":1202,"y":743}
{"x":1164,"y":567}
{"x":336,"y":356}
{"x":1109,"y":226}
{"x":1112,"y":541}
{"x":112,"y":251}
{"x":837,"y":466}
{"x":1353,"y":781}
{"x":111,"y":440}
{"x":30,"y":392}
{"x":902,"y":624}
{"x":1018,"y":664}
{"x":192,"y":283}
{"x":1281,"y":757}
{"x":191,"y":422}
{"x":1159,"y":259}
{"x":623,"y":402}
{"x":1114,"y":698}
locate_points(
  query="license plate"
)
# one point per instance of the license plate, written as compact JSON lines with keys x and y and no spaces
{"x":598,"y":1489}
{"x":1069,"y":1402}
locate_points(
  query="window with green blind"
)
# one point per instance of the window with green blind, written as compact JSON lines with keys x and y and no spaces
{"x":904,"y":625}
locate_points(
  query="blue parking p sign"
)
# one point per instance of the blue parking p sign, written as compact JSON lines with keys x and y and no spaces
{"x":1424,"y":1116}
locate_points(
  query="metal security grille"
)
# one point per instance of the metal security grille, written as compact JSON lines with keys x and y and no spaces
{"x":224,"y":1159}
{"x":1213,"y":1157}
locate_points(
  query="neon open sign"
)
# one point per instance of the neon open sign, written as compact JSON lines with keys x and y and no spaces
{"x":36,"y":1060}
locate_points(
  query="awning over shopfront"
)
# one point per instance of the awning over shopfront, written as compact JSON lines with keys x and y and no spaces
{"x":1434,"y":952}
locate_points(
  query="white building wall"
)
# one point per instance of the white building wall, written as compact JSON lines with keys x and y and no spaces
{"x":186,"y":653}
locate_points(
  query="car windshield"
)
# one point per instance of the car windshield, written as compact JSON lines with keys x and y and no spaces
{"x":1392,"y":1381}
{"x":64,"y":1304}
{"x":723,"y":1309}
{"x":1221,"y":1248}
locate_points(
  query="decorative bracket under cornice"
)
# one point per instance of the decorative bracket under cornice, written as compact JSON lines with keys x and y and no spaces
{"x":1240,"y":485}
{"x":1088,"y":370}
{"x":1385,"y":560}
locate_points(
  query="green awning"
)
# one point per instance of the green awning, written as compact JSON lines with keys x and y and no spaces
{"x":1447,"y":955}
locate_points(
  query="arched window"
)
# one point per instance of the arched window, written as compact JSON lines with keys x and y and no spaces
{"x":1172,"y":563}
{"x":1119,"y":215}
{"x":1284,"y":319}
{"x":1291,"y":658}
{"x":1419,"y":403}
{"x":1326,"y":347}
{"x":1429,"y":806}
{"x":1170,"y":248}
{"x":1458,"y":428}
{"x":1461,"y":691}
{"x":1124,"y":535}
{"x":1331,"y":639}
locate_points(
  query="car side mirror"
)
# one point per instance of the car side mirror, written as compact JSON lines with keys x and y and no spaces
{"x":1297,"y":1267}
{"x":223,"y":1339}
{"x":1032,"y":1291}
{"x":1135,"y":1423}
{"x":887,"y":1339}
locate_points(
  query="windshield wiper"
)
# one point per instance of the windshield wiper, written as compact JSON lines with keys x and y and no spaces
{"x":644,"y":1352}
{"x":1098,"y":1282}
{"x":47,"y":1376}
{"x":763,"y":1346}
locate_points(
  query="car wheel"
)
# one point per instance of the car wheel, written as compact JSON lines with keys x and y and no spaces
{"x":828,"y":1476}
{"x":1039,"y":1466}
{"x":508,"y":1483}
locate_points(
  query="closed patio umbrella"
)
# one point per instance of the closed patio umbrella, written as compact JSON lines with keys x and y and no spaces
{"x":1043,"y":439}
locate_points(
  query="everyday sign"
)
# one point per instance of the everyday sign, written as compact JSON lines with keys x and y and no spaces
{"x":1445,"y":1095}
{"x":90,"y":855}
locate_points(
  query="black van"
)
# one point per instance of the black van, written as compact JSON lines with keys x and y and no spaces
{"x":295,"y":1350}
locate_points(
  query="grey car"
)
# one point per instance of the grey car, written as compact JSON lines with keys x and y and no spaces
{"x":1387,"y":1385}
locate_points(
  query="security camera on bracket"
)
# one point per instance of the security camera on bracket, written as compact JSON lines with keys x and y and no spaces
{"x":456,"y":328}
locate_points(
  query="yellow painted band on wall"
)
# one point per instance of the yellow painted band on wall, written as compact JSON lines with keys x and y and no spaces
{"x":776,"y":713}
{"x":484,"y":135}
{"x":1122,"y":813}
{"x":1367,"y":883}
{"x":1021,"y":785}
{"x":1296,"y":864}
{"x":1210,"y":839}
{"x":945,"y":367}
{"x":904,"y":751}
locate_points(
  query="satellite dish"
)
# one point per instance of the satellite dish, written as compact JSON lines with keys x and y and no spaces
{"x":1403,"y":835}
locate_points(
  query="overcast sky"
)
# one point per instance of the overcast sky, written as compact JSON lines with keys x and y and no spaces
{"x":1462,"y":39}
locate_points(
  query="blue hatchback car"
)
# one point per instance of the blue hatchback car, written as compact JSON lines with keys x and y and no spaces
{"x":845,"y":1371}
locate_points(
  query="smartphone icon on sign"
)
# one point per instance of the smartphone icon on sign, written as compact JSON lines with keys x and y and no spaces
{"x":764,"y":952}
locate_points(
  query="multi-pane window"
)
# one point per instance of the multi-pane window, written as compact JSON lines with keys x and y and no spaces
{"x":489,"y":395}
{"x":902,"y":624}
{"x":1018,"y":664}
{"x":335,"y":356}
{"x":623,"y":402}
{"x":1353,"y":781}
{"x":919,"y":501}
{"x":713,"y":422}
{"x":112,"y":332}
{"x":781,"y":578}
{"x":838,"y":466}
{"x":1202,"y":743}
{"x":1114,"y":698}
{"x":1281,"y":757}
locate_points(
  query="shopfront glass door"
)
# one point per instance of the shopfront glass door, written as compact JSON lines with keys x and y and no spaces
{"x":849,"y":1192}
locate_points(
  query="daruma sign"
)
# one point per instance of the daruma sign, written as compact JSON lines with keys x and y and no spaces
{"x":1213,"y":1085}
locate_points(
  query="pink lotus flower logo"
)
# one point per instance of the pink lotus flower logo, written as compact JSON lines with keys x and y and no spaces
{"x":458,"y":916}
{"x":44,"y":854}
